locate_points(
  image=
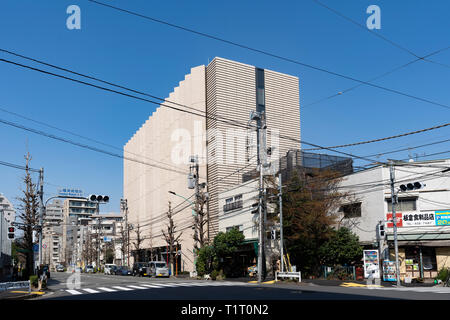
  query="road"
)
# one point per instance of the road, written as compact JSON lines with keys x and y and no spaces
{"x":111,"y":287}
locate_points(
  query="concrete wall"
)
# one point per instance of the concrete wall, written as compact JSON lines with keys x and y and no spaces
{"x":159,"y":141}
{"x":231,"y":95}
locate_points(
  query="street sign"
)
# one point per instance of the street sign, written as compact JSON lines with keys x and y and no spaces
{"x":67,"y":192}
{"x":106,"y":239}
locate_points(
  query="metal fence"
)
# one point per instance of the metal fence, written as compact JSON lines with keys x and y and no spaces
{"x":339,"y":272}
{"x":4,"y":286}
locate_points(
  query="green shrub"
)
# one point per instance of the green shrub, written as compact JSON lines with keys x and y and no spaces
{"x":214,"y":274}
{"x":34,"y":281}
{"x":443,"y":274}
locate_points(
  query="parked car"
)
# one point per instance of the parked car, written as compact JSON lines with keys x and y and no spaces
{"x":110,"y":268}
{"x":158,"y":269}
{"x":78,"y":269}
{"x":140,"y":269}
{"x":123,"y":271}
{"x":59,"y":268}
{"x":89,"y":269}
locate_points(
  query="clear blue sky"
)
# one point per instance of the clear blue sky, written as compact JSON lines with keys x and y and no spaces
{"x":152,"y":57}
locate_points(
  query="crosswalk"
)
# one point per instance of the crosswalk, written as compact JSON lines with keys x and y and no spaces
{"x":140,"y":286}
{"x":419,"y":289}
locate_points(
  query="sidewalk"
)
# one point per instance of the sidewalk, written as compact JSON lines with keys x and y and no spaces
{"x":19,"y":294}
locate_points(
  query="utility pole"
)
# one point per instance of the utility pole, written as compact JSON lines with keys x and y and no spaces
{"x":280,"y":199}
{"x":394,"y":219}
{"x":41,"y":213}
{"x":195,"y":167}
{"x":259,"y":117}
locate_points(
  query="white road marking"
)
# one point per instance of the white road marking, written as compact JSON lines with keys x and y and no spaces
{"x":91,"y":290}
{"x":74,"y":292}
{"x":151,"y":286}
{"x":136,"y":287}
{"x":107,"y":289}
{"x":122,"y":288}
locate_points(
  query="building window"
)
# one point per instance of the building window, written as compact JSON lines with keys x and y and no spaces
{"x":403,"y":205}
{"x":351,"y":210}
{"x":233,"y":203}
{"x":240,"y":228}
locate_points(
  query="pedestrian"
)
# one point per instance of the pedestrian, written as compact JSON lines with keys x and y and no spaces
{"x":15,"y":273}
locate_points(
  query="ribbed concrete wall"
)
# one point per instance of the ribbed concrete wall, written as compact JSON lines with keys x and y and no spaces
{"x":227,"y":90}
{"x":231,"y":94}
{"x":145,"y":187}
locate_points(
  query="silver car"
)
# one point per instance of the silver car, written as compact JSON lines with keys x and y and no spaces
{"x":158,"y":269}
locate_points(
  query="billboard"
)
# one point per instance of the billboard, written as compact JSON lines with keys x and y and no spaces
{"x":442,"y":218}
{"x":420,"y":219}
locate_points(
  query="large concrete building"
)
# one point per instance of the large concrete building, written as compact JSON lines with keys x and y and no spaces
{"x":227,"y":92}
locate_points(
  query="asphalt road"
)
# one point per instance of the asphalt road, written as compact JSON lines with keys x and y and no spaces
{"x":111,"y":287}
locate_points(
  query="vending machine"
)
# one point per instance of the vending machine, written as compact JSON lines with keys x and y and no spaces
{"x":371,"y":264}
{"x":389,"y":271}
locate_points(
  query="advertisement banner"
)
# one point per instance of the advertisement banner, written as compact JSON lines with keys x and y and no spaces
{"x":442,"y":218}
{"x":371,"y":264}
{"x":390,"y":223}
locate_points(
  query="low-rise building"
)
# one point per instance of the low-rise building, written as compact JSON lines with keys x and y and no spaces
{"x":423,"y":214}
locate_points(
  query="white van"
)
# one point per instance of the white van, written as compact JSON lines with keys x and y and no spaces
{"x":110,"y":268}
{"x":158,"y":269}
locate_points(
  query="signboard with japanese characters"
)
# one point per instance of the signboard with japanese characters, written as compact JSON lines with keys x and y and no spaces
{"x":420,"y":219}
{"x":66,"y":192}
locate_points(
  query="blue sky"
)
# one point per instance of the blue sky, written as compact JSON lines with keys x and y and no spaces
{"x":152,"y":57}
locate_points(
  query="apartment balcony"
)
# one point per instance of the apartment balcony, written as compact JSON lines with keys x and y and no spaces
{"x":233,"y":206}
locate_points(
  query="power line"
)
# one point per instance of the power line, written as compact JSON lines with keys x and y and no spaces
{"x":80,"y":136}
{"x":385,"y":138}
{"x":409,"y":148}
{"x":12,"y":124}
{"x":372,"y":79}
{"x":178,"y":109}
{"x":269,"y":54}
{"x":16,"y":166}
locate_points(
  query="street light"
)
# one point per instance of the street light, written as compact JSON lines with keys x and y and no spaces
{"x":185,"y":199}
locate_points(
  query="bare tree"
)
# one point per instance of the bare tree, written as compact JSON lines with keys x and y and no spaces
{"x":201,"y":219}
{"x":171,"y":239}
{"x":138,"y":241}
{"x":29,"y":204}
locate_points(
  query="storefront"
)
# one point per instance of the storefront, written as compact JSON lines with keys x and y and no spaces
{"x":421,"y":259}
{"x":423,"y":242}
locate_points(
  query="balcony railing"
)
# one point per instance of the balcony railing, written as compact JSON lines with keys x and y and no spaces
{"x":233,"y":206}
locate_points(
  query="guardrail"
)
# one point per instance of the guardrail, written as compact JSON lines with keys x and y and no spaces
{"x":4,"y":286}
{"x":290,"y":275}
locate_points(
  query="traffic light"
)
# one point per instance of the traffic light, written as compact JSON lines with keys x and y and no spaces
{"x":381,"y":231}
{"x":255,"y":207}
{"x":98,"y":198}
{"x":274,"y":234}
{"x":11,"y":232}
{"x":412,"y":186}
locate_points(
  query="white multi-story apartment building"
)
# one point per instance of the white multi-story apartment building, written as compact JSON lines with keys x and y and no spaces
{"x":423,"y":214}
{"x":52,"y":251}
{"x":7,"y":208}
{"x":106,"y":227}
{"x":227,"y":92}
{"x":77,"y":213}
